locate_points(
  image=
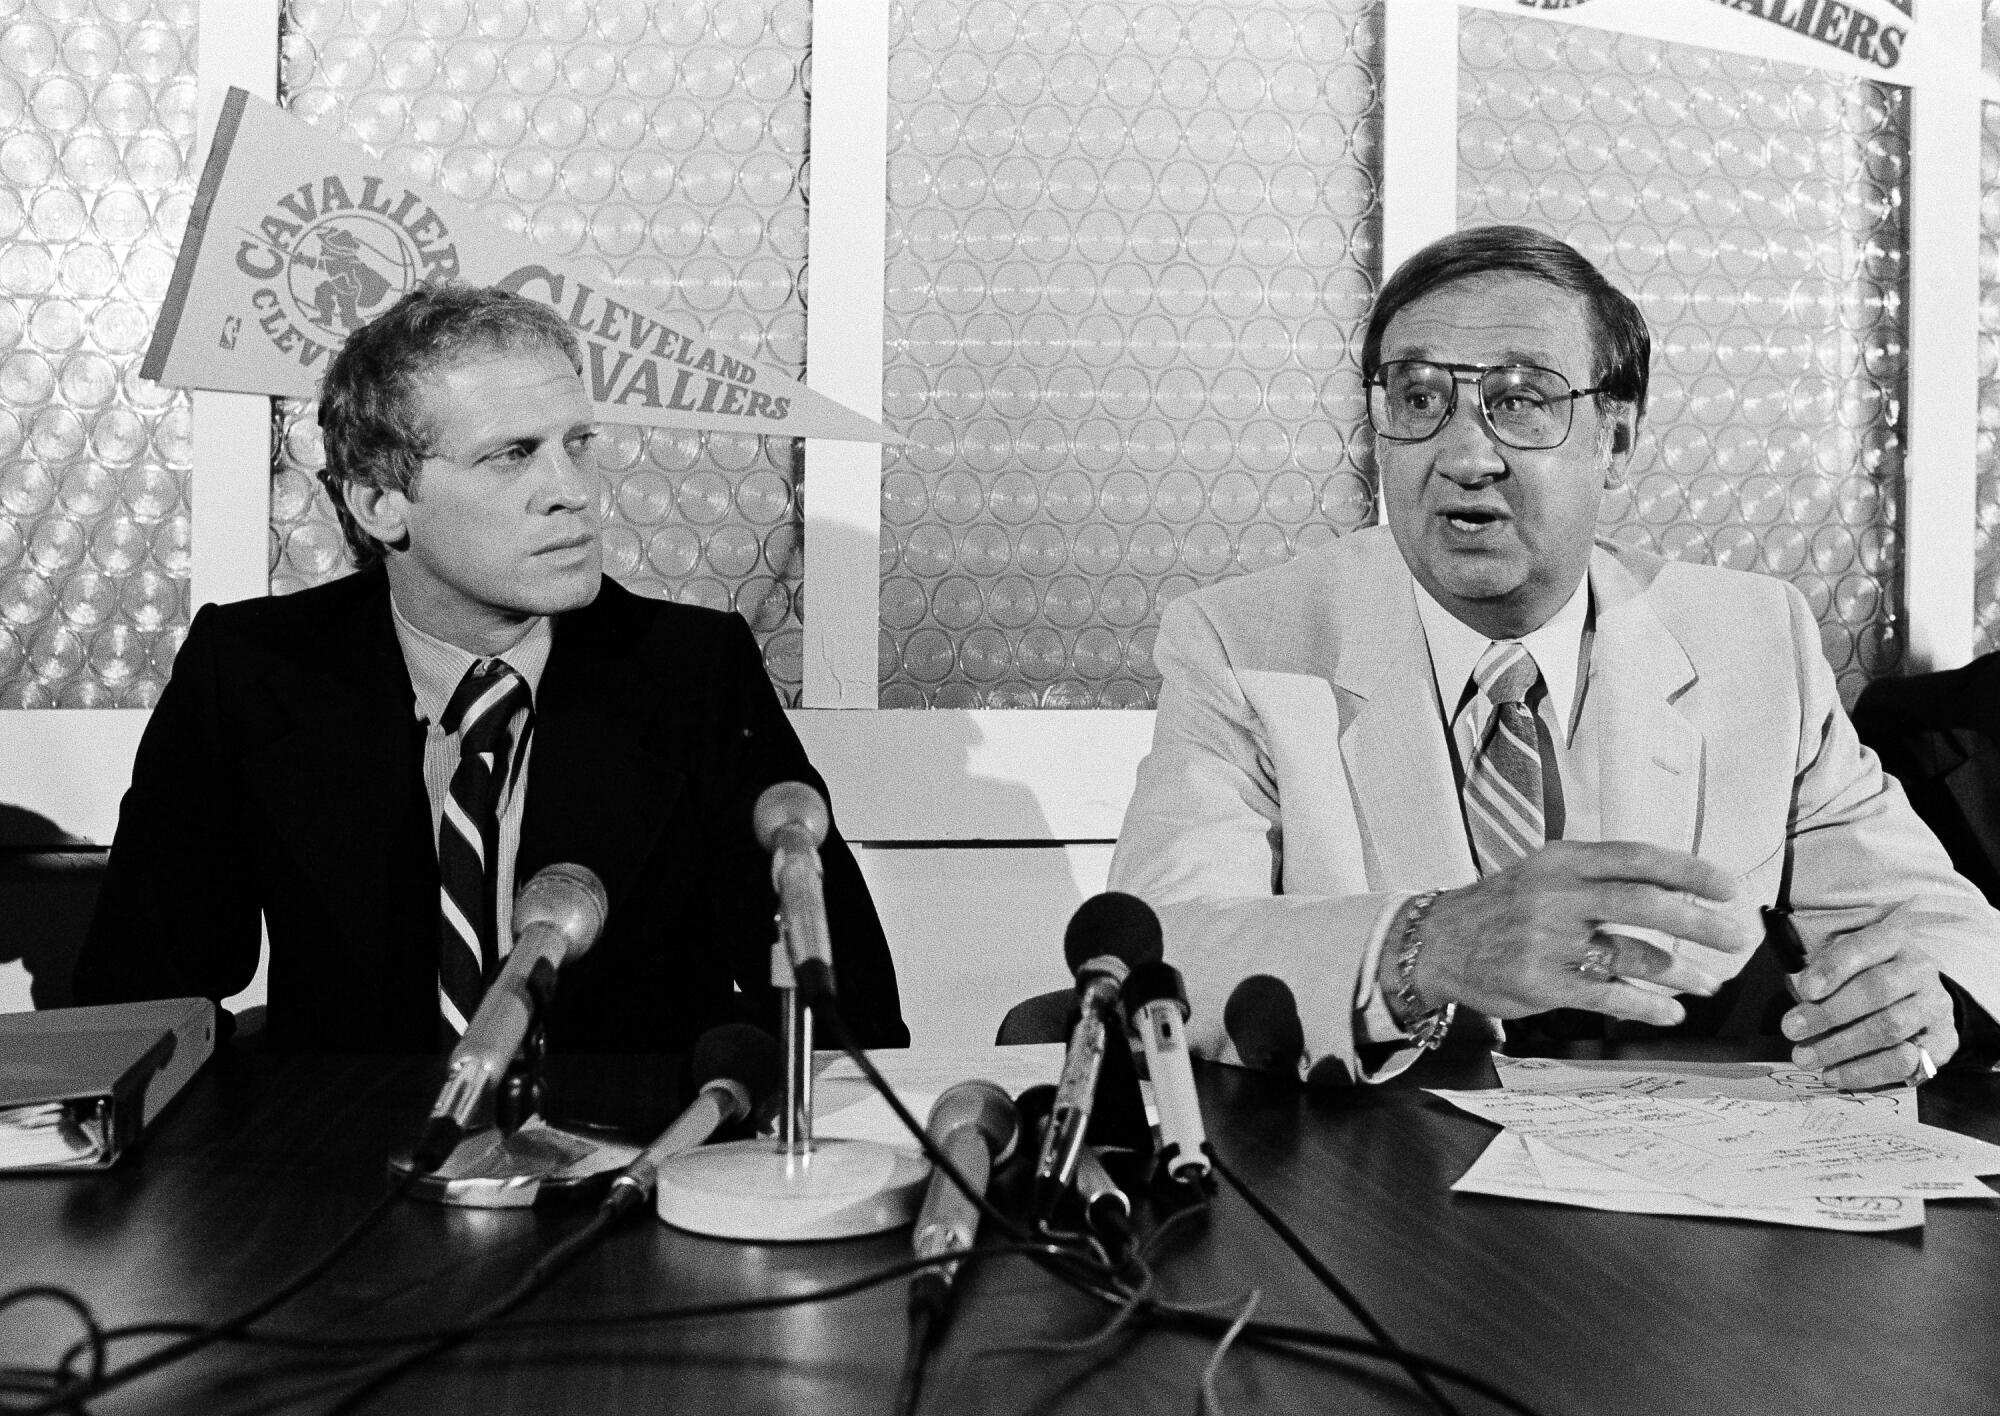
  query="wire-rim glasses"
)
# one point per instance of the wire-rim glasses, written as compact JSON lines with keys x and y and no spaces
{"x":1526,"y":406}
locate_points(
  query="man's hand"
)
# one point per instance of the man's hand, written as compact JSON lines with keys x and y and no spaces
{"x":1510,"y":944}
{"x":1867,"y":1004}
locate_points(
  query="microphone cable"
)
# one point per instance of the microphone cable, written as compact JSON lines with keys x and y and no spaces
{"x":538,"y":1277}
{"x":1333,"y":1285}
{"x":66,"y":1393}
{"x":1172,"y":1315}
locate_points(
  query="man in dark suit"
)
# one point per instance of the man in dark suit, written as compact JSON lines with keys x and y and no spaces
{"x":1939,"y":735}
{"x":479,"y":694}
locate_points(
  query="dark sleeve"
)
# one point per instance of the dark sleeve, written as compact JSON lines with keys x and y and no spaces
{"x":1890,"y":732}
{"x":864,"y":973}
{"x":177,"y":915}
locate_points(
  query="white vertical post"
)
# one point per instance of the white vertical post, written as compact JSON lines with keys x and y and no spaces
{"x":1941,"y":473}
{"x":230,"y":515}
{"x":845,"y":253}
{"x":1419,"y":126}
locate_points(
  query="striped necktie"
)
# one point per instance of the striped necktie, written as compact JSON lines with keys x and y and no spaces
{"x":469,"y":834}
{"x":1503,"y":788}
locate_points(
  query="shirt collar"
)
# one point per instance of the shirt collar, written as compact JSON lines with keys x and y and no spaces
{"x":437,"y":668}
{"x":1456,"y":648}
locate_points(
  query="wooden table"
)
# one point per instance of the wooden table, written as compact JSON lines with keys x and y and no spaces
{"x":266,"y":1161}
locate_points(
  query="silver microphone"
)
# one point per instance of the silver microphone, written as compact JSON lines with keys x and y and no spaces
{"x":791,"y":822}
{"x":557,"y":917}
{"x":976,"y":1125}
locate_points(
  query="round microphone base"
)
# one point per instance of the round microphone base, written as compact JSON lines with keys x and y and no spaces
{"x":749,"y":1190}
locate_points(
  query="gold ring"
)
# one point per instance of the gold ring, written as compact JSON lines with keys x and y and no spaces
{"x":1925,"y":1068}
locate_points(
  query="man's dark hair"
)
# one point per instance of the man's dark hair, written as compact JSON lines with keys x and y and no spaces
{"x":1623,"y":348}
{"x":370,"y":417}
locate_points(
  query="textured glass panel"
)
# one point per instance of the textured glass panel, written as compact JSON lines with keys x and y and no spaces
{"x":1986,"y":534}
{"x":1131,"y":248}
{"x":1757,"y":211}
{"x":1989,"y":27}
{"x":659,"y":145}
{"x":97,"y":121}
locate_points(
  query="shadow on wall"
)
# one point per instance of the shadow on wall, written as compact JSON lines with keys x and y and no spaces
{"x":47,"y":894}
{"x":975,"y":915}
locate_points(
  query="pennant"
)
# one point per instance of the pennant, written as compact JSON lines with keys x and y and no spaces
{"x":297,"y":238}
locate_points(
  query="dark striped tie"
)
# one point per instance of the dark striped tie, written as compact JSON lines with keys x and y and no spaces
{"x":469,"y":835}
{"x":1503,"y":789}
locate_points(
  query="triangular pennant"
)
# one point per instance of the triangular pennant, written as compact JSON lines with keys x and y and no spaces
{"x":297,"y":238}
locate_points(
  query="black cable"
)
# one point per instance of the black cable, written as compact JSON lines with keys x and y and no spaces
{"x":532,"y":1282}
{"x":1171,"y":1314}
{"x":1287,"y":1334}
{"x":40,"y":1382}
{"x":1333,"y":1285}
{"x":930,"y":1297}
{"x":68,"y":1393}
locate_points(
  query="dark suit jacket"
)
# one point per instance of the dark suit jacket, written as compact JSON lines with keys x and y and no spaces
{"x":1939,"y":735}
{"x":282,"y":772}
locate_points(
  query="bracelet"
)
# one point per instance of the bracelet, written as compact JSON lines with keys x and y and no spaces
{"x":1426,"y":1026}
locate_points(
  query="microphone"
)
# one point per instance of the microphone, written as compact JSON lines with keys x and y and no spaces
{"x":791,"y":821}
{"x":736,"y":1068}
{"x":1106,"y":938}
{"x":557,"y":917}
{"x":975,"y":1124}
{"x":1262,"y":1019}
{"x":1156,"y":1009}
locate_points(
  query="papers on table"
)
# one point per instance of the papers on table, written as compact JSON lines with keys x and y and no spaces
{"x":54,"y":1133}
{"x":1760,"y":1141}
{"x":846,"y":1106}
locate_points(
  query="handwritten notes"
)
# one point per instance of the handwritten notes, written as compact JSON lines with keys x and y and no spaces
{"x":1756,"y":1141}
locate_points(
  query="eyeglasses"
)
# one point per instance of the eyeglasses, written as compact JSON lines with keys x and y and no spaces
{"x":1527,"y":407}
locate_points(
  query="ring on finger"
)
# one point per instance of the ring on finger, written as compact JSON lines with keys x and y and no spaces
{"x":1598,"y":961}
{"x":1925,"y":1068}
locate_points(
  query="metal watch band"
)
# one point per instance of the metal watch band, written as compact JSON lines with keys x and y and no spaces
{"x":1425,"y":1025}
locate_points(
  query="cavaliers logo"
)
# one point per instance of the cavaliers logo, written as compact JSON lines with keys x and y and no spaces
{"x":326,"y":261}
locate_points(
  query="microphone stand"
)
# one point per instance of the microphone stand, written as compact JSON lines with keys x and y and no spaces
{"x":791,"y":1186}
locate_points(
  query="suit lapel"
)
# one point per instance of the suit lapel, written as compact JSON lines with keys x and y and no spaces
{"x":344,"y":789}
{"x":1650,"y":755}
{"x":598,"y":794}
{"x":1393,"y":745}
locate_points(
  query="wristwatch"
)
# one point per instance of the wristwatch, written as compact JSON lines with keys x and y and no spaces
{"x":1425,"y":1025}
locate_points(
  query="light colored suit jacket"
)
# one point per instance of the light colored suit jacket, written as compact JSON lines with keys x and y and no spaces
{"x":1300,"y":784}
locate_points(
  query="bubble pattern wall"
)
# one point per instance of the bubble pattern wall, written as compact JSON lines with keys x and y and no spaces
{"x":97,"y":124}
{"x":1986,"y":530}
{"x":1756,"y":211}
{"x":1131,"y":247}
{"x":659,"y":144}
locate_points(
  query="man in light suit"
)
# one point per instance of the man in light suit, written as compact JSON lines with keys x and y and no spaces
{"x":311,"y":762}
{"x":1362,"y":788}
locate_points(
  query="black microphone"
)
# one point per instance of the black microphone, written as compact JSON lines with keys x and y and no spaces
{"x":557,"y":917}
{"x":1156,"y":1010}
{"x":1109,"y":935}
{"x":735,"y":1067}
{"x":1262,"y":1019}
{"x":791,"y":821}
{"x":975,"y":1124}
